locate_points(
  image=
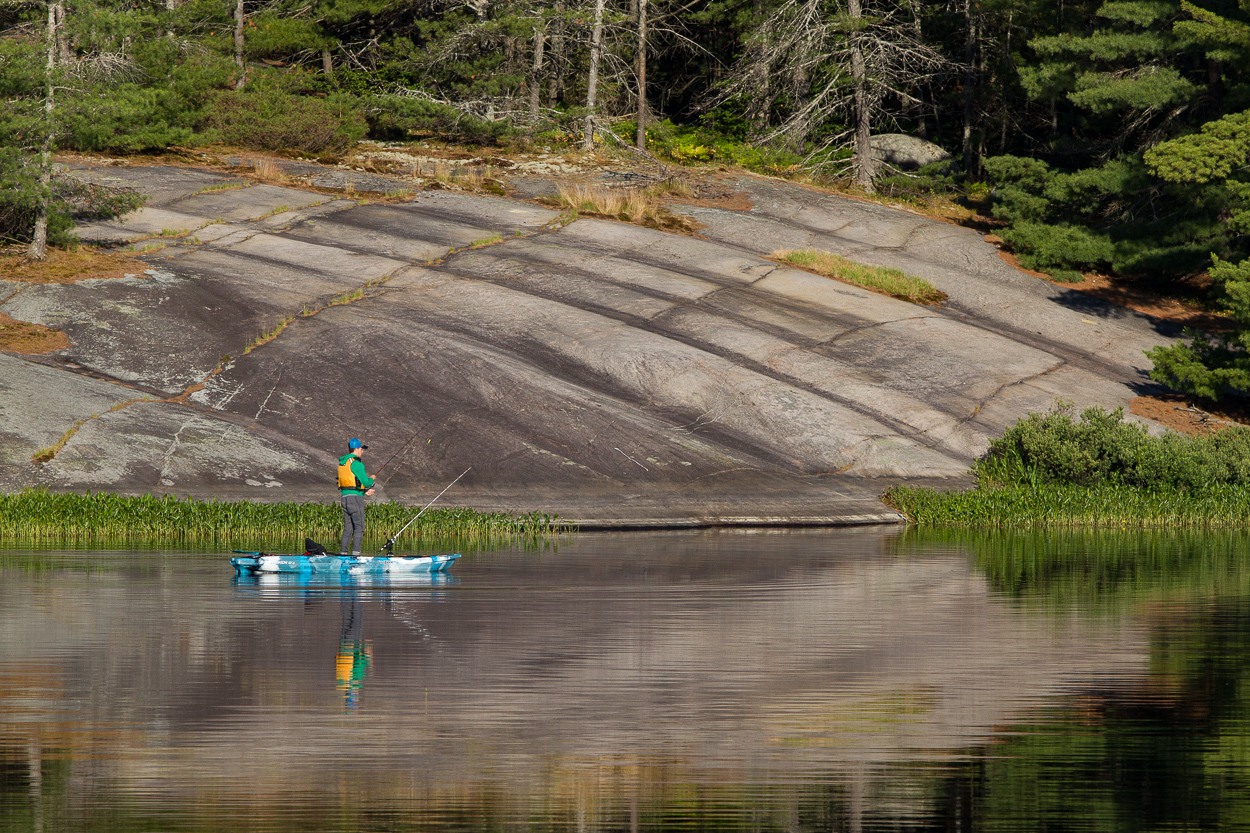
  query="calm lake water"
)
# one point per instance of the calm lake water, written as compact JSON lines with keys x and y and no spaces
{"x":868,"y":679}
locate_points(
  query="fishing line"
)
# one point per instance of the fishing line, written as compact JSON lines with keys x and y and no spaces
{"x":415,"y":434}
{"x":390,"y":542}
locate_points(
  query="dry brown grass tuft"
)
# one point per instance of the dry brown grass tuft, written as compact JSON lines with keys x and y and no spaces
{"x":269,"y":170}
{"x":640,"y":206}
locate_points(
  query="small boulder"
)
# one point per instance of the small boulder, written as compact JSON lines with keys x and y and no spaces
{"x":906,"y":152}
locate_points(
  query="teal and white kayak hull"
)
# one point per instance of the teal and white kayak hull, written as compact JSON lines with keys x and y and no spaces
{"x":259,"y":563}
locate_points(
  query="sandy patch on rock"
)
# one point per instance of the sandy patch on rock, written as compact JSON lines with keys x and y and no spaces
{"x":1179,"y":414}
{"x":29,"y":339}
{"x":71,"y":267}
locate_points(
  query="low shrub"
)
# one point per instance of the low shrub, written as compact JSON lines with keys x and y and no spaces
{"x":694,"y":145}
{"x":1059,"y":247}
{"x":1101,"y":448}
{"x":267,"y":117}
{"x":397,"y":118}
{"x":1054,"y":470}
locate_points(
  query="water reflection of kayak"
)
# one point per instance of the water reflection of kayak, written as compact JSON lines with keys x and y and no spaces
{"x":341,"y":582}
{"x":255,"y":563}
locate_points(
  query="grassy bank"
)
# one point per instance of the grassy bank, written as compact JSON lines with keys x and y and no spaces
{"x":1098,"y":470}
{"x":38,"y":517}
{"x":1068,"y":505}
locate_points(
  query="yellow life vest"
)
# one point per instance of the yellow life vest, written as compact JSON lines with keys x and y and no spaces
{"x":347,"y":477}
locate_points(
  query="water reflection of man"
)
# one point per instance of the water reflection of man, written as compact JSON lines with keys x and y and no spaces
{"x":355,"y":656}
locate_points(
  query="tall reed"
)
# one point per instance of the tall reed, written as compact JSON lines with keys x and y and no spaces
{"x":38,"y":516}
{"x":1059,"y":505}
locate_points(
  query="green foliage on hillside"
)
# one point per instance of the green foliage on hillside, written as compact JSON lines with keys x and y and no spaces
{"x":1209,"y":366}
{"x":69,"y":199}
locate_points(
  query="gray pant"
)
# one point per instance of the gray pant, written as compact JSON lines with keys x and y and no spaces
{"x":353,"y":522}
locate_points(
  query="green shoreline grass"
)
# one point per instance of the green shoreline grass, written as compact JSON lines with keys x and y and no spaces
{"x":40,"y":517}
{"x":892,"y":282}
{"x":1058,"y":505}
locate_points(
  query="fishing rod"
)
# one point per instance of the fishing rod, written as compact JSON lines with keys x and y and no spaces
{"x":390,"y":543}
{"x":415,"y":434}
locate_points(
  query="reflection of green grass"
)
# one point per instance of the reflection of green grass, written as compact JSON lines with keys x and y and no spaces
{"x":1105,"y":569}
{"x":35,"y":516}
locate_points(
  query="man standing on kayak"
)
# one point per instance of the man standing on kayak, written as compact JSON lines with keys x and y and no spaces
{"x":354,"y":484}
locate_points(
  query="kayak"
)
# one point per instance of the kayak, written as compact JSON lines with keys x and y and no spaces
{"x":255,"y":563}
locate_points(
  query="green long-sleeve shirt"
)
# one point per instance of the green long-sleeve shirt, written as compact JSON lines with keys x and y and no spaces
{"x":363,"y":480}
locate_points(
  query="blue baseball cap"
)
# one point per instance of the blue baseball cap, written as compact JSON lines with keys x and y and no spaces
{"x":354,"y":443}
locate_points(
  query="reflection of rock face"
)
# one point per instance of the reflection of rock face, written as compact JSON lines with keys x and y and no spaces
{"x":714,"y":665}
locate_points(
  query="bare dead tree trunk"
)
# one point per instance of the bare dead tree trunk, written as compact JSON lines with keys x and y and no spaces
{"x":592,"y":88}
{"x":642,"y":75}
{"x":1002,"y":129}
{"x":536,"y":71}
{"x":327,"y":62}
{"x":862,"y":160}
{"x":39,"y":238}
{"x":62,"y":36}
{"x":556,"y":91}
{"x":969,"y":83}
{"x":238,"y":45}
{"x":170,"y":6}
{"x":762,"y":119}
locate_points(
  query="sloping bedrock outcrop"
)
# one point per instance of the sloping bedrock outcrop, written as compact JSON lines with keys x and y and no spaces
{"x":922,"y":370}
{"x":38,"y":405}
{"x":571,"y":365}
{"x":425,"y":228}
{"x":116,"y":439}
{"x":177,"y":204}
{"x":169,"y":329}
{"x":172,"y":327}
{"x":162,"y":446}
{"x":1109,"y":339}
{"x":162,"y":184}
{"x":539,"y":429}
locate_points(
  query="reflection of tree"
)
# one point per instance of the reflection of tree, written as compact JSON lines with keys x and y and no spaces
{"x":1176,"y":757}
{"x":355,"y":656}
{"x":1175,"y":753}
